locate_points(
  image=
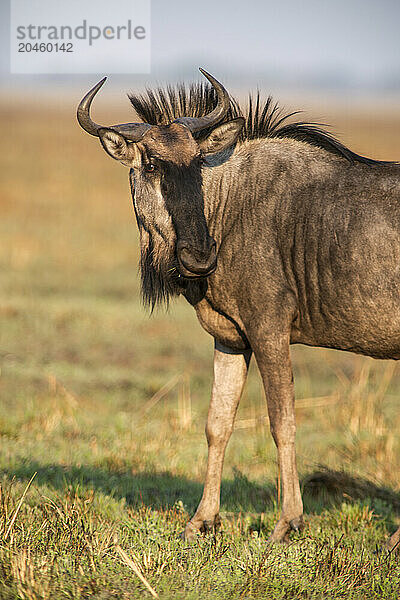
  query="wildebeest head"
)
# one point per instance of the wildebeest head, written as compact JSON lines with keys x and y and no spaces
{"x":166,"y":181}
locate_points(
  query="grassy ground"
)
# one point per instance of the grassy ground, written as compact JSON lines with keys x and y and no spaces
{"x":105,"y":407}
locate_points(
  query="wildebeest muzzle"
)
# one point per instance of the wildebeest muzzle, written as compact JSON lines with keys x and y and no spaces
{"x":195,"y":262}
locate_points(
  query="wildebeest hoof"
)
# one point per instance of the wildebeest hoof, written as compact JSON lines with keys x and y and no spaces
{"x":190,"y":533}
{"x":393,"y":543}
{"x":281,"y":533}
{"x":297,"y":524}
{"x":207,"y":526}
{"x":211,"y":525}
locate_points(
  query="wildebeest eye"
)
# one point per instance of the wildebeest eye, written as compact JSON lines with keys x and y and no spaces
{"x":150,"y":167}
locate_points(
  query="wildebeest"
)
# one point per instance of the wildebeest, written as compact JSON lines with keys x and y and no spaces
{"x":276,"y":233}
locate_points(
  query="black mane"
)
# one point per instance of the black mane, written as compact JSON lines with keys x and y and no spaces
{"x":263,"y":119}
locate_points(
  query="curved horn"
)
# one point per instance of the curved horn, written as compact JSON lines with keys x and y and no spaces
{"x":219,"y":112}
{"x":131,"y":131}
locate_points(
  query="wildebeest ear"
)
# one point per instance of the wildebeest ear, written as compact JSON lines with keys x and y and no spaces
{"x":116,"y":145}
{"x":222,"y":136}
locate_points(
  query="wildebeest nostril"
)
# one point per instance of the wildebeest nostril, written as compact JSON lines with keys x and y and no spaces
{"x":195,"y":261}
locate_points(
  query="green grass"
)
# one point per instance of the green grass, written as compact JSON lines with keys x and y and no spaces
{"x":119,"y":464}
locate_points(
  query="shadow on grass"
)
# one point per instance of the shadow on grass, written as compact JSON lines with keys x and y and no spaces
{"x":321,"y":489}
{"x":327,"y":487}
{"x":154,"y":489}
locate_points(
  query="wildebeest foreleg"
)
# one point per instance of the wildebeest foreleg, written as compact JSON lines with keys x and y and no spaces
{"x":393,"y":542}
{"x":230,"y":370}
{"x":273,"y":360}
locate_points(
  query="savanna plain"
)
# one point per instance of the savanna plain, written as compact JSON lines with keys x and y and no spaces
{"x":102,"y":408}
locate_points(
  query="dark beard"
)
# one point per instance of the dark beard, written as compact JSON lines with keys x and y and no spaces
{"x":159,"y":283}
